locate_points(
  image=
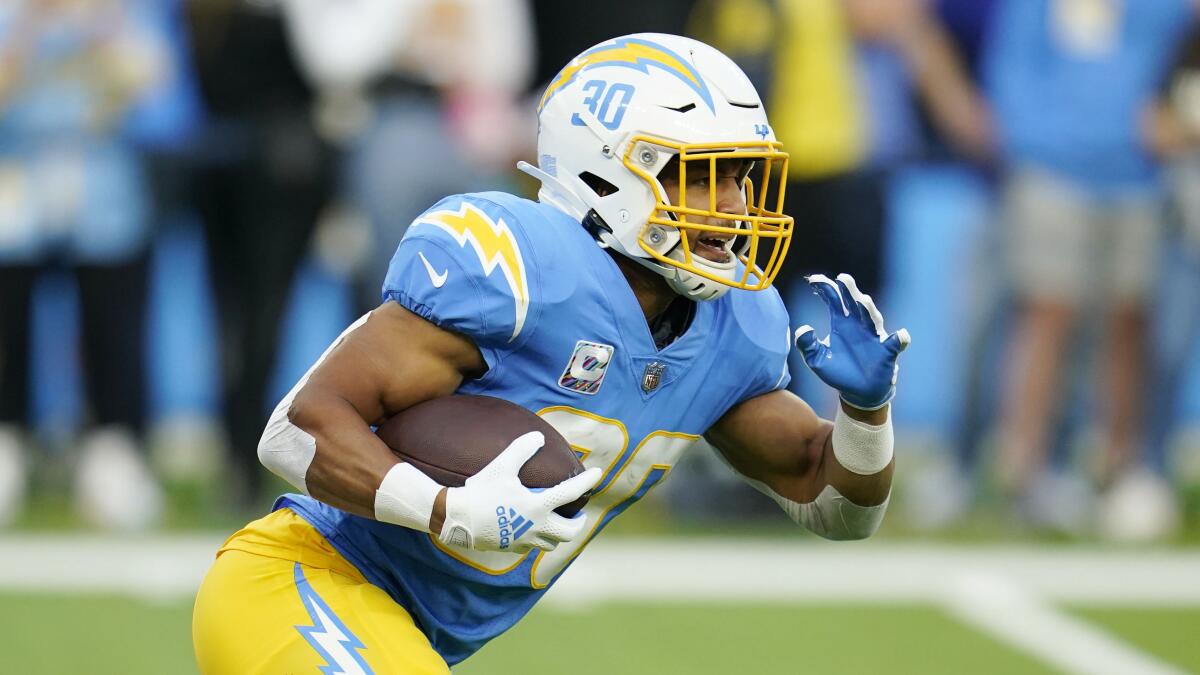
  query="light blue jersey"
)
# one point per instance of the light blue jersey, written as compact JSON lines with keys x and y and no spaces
{"x":1069,"y":83}
{"x":563,"y":335}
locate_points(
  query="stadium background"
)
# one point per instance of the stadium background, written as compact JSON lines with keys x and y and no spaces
{"x":711,"y":577}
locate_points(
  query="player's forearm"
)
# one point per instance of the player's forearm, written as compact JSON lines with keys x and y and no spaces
{"x":794,"y":459}
{"x":863,"y":473}
{"x":321,"y":443}
{"x":350,"y":461}
{"x":846,"y":495}
{"x":832,"y":501}
{"x":853,"y":480}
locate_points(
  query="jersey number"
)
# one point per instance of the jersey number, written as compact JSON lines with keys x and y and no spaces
{"x":606,"y":103}
{"x":630,"y":471}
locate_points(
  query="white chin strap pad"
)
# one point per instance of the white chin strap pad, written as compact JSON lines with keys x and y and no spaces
{"x":695,"y":287}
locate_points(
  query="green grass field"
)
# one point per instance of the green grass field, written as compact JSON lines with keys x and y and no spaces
{"x":100,"y":635}
{"x":739,"y":638}
{"x":809,"y":618}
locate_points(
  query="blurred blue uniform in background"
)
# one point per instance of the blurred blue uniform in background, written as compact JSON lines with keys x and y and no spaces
{"x":73,"y":192}
{"x":1068,"y":80}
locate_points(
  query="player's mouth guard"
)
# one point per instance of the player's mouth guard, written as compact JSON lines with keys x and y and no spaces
{"x":763,"y":231}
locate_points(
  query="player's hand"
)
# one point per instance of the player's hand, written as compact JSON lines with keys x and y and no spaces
{"x":858,"y":357}
{"x":493,"y":511}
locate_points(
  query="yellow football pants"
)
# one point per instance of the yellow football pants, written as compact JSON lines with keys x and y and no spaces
{"x":280,"y":600}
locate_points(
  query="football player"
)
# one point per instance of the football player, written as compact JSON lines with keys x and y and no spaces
{"x":630,"y":307}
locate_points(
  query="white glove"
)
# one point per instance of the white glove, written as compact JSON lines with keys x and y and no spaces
{"x":493,"y":511}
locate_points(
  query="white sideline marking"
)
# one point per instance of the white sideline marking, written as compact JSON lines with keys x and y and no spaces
{"x":999,"y":608}
{"x":701,"y":569}
{"x":1004,"y":591}
{"x":152,"y":567}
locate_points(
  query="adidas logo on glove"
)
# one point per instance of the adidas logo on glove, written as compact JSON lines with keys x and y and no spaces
{"x":511,"y":524}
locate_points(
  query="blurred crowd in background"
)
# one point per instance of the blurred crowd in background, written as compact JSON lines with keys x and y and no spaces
{"x":196,"y":197}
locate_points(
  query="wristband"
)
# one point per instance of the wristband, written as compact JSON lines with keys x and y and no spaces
{"x":405,"y":497}
{"x":862,"y":448}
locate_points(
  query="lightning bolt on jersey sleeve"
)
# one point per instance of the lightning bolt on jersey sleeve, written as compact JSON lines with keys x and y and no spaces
{"x":462,"y":266}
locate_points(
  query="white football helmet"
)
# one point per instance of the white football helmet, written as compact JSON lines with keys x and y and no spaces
{"x":618,"y":113}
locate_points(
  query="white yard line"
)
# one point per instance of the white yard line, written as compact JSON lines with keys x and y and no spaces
{"x":869,"y":572}
{"x":999,"y":608}
{"x":1003,"y":591}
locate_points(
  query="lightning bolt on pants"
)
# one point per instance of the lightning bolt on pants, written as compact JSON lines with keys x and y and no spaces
{"x":280,"y":599}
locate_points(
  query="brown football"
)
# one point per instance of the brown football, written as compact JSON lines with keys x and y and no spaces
{"x":452,"y":438}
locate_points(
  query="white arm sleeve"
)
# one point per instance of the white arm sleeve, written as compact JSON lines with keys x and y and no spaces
{"x":830,"y":515}
{"x":286,"y":449}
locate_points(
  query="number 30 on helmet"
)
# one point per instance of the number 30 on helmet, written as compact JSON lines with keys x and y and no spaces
{"x":619,"y":113}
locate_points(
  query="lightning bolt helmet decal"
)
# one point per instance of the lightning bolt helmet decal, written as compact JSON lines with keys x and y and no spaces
{"x":631,"y":53}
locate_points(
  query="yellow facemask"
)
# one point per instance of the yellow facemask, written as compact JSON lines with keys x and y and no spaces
{"x":764,"y":223}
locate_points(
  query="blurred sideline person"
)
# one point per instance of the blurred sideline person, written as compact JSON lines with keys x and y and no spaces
{"x":838,"y":63}
{"x":411,"y":79}
{"x":942,"y":493}
{"x":1070,"y":81}
{"x":1142,"y":507}
{"x":73,"y":193}
{"x":261,"y":176}
{"x":627,"y":305}
{"x":860,"y":89}
{"x":819,"y":108}
{"x":845,"y":79}
{"x":185,"y":433}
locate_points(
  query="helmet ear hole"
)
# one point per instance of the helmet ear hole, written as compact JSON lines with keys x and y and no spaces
{"x":601,"y":187}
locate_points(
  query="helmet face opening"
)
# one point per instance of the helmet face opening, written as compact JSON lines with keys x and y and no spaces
{"x":760,"y":236}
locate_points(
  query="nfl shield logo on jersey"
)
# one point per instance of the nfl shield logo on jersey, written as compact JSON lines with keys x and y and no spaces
{"x":652,"y":376}
{"x":585,"y":371}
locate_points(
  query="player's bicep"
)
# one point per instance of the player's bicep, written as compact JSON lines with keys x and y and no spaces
{"x":775,"y":438}
{"x":393,"y":360}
